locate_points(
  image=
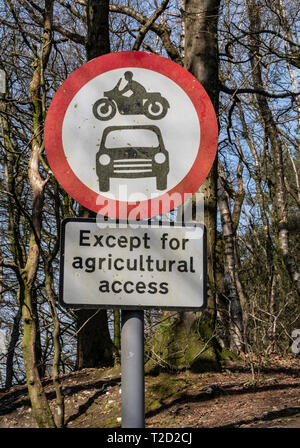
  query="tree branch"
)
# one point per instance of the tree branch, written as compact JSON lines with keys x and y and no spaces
{"x":162,"y":30}
{"x":143,"y":31}
{"x":255,"y":91}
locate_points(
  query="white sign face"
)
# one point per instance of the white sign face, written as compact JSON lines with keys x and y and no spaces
{"x":131,"y":135}
{"x":129,"y":139}
{"x":132,"y":267}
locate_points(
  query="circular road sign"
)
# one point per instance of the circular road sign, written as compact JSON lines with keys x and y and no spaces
{"x":131,"y":135}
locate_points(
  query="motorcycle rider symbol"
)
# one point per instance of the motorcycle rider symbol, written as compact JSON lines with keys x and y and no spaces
{"x":131,"y":157}
{"x":152,"y":105}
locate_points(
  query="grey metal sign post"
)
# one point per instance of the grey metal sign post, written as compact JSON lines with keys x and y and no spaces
{"x":132,"y":268}
{"x":132,"y":367}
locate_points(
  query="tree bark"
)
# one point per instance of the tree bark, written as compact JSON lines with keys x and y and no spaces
{"x":37,"y":395}
{"x":276,"y":147}
{"x":9,"y":371}
{"x":190,"y":340}
{"x":201,"y":59}
{"x":14,"y":237}
{"x":59,"y":416}
{"x":236,"y":329}
{"x":97,"y":43}
{"x":94,"y":345}
{"x":117,"y":330}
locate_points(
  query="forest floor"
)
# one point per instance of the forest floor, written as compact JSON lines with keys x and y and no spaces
{"x":262,"y":394}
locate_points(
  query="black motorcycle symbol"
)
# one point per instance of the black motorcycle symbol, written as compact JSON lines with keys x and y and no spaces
{"x":152,"y":105}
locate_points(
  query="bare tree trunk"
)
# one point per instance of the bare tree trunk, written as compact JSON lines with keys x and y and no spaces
{"x":97,"y":44}
{"x":189,"y":341}
{"x":8,"y":156}
{"x":258,"y":178}
{"x":94,"y":345}
{"x":276,"y":147}
{"x":117,"y":329}
{"x":37,"y":395}
{"x":60,"y":406}
{"x":201,"y":59}
{"x":235,"y":310}
{"x":290,"y":48}
{"x":14,"y":337}
{"x":26,"y":265}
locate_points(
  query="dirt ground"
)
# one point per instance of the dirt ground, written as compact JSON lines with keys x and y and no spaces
{"x":261,"y":394}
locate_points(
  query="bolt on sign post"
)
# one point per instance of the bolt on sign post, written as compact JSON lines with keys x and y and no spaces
{"x":131,"y":136}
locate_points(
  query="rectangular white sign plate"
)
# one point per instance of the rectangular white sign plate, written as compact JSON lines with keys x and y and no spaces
{"x":132,"y":266}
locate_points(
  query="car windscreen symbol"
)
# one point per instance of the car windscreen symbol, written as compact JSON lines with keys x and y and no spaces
{"x":145,"y":158}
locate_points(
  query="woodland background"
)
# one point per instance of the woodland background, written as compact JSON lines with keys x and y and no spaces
{"x":246,"y":55}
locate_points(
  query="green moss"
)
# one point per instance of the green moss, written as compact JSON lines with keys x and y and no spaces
{"x":175,"y":348}
{"x":153,"y":405}
{"x":204,"y":327}
{"x":114,"y":372}
{"x":166,"y":386}
{"x":163,"y":388}
{"x":110,"y":422}
{"x":226,"y":354}
{"x":206,"y":361}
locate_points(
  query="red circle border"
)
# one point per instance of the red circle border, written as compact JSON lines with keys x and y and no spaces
{"x":140,"y":209}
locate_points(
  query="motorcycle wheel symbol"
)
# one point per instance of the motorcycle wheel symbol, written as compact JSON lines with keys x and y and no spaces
{"x":104,"y":109}
{"x":155,"y":108}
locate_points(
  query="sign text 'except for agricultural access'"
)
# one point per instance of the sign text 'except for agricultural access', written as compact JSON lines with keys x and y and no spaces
{"x":149,"y":266}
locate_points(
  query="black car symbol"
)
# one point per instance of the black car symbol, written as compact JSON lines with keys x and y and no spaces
{"x":132,"y":152}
